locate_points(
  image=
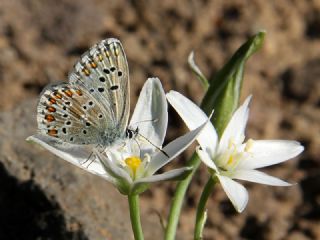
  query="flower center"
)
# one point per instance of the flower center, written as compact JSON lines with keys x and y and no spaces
{"x":230,"y":159}
{"x":133,"y":163}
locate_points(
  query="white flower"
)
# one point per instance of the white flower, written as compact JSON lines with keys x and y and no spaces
{"x":230,"y":157}
{"x":131,"y":164}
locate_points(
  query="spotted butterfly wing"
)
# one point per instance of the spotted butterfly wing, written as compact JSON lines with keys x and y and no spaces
{"x":93,"y":108}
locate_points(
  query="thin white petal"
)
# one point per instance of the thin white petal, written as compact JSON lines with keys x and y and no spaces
{"x":269,"y":152}
{"x":151,"y":113}
{"x":259,"y":177}
{"x":78,"y":155}
{"x":206,"y":159}
{"x":193,"y":116}
{"x":235,"y":129}
{"x":173,"y":149}
{"x":169,"y":175}
{"x":237,"y":193}
{"x":75,"y":154}
{"x":112,"y":169}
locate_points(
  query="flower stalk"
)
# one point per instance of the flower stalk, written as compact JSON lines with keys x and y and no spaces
{"x":201,"y":209}
{"x":133,"y":201}
{"x":178,"y":198}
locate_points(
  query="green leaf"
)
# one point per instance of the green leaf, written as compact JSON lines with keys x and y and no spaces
{"x":224,"y":91}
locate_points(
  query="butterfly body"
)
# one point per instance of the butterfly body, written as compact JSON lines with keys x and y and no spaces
{"x":93,"y":107}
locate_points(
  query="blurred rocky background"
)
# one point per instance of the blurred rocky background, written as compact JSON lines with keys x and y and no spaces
{"x":43,"y":197}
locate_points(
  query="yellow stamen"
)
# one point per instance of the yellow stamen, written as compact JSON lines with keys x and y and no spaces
{"x":133,"y":163}
{"x":230,"y":161}
{"x":249,"y":145}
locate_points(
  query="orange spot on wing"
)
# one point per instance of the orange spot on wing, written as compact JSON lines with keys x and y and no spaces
{"x":93,"y":64}
{"x":51,"y":109}
{"x":49,"y":117}
{"x":68,"y":92}
{"x":52,"y":132}
{"x":52,"y":101}
{"x":79,"y":92}
{"x":86,"y":71}
{"x":57,"y":95}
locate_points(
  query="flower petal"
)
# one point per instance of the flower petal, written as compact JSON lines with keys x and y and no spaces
{"x":81,"y":156}
{"x":237,"y":193}
{"x":269,"y":152}
{"x":236,"y":127}
{"x":259,"y":177}
{"x":112,"y":169}
{"x":193,"y":116}
{"x":173,"y":149}
{"x":169,"y":175}
{"x":150,"y":116}
{"x":206,"y":159}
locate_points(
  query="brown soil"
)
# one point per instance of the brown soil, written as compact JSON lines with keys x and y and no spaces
{"x":40,"y":41}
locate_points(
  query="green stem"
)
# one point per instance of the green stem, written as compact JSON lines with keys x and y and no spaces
{"x":201,"y":209}
{"x":135,"y":216}
{"x":178,"y":199}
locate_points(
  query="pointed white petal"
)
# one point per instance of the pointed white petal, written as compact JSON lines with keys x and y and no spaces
{"x":259,"y":177}
{"x":235,"y":129}
{"x":79,"y":155}
{"x":269,"y":152}
{"x":112,"y":169}
{"x":193,"y":116}
{"x":173,"y":149}
{"x":237,"y":193}
{"x":151,"y":114}
{"x":206,"y":159}
{"x":169,"y":175}
{"x":75,"y":154}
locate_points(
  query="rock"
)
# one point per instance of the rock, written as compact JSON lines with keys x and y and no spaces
{"x":44,"y":197}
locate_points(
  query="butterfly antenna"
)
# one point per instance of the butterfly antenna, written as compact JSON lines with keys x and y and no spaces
{"x":164,"y":153}
{"x":148,"y":120}
{"x":137,"y":132}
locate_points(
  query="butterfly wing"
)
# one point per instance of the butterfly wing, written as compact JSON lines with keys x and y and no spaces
{"x":103,"y":71}
{"x":93,"y":108}
{"x":71,"y":114}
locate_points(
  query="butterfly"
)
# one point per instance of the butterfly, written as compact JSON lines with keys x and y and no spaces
{"x":93,"y":106}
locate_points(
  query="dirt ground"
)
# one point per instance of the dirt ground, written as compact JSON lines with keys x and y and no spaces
{"x":41,"y":40}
